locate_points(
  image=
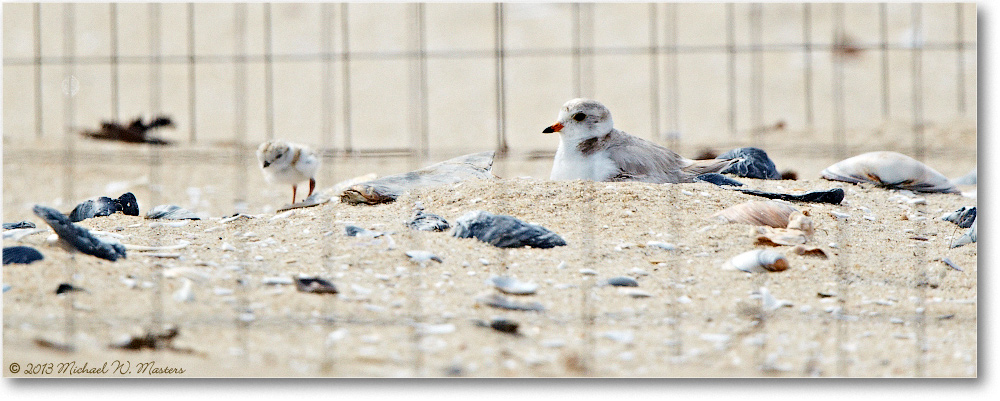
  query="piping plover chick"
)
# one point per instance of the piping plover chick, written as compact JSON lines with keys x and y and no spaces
{"x":590,"y":148}
{"x":288,"y":163}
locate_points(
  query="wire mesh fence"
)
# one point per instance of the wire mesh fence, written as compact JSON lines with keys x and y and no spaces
{"x":395,"y":86}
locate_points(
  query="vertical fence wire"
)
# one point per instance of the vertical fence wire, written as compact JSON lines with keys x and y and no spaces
{"x":756,"y":98}
{"x":917,"y":83}
{"x":69,"y":88}
{"x":960,"y":56}
{"x":345,"y":68}
{"x":883,"y":17}
{"x":654,"y":72}
{"x":268,"y":74}
{"x":920,"y":281}
{"x":39,"y":101}
{"x":731,"y":64}
{"x":500,"y":79}
{"x":192,"y":77}
{"x":113,"y":42}
{"x":673,"y":81}
{"x":807,"y":67}
{"x":240,"y":106}
{"x":843,"y":224}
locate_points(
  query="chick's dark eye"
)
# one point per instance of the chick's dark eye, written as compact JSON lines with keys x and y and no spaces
{"x":278,"y":156}
{"x":579,"y":116}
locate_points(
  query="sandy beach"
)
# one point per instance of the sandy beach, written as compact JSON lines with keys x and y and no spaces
{"x":882,"y":305}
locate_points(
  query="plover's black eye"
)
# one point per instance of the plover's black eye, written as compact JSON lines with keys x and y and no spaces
{"x":278,"y":156}
{"x":579,"y":116}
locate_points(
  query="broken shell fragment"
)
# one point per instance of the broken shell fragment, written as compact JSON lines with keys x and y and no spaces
{"x":21,"y":255}
{"x":502,"y":302}
{"x":171,"y":212}
{"x":778,"y":236}
{"x":510,"y":285}
{"x":757,"y":261}
{"x":809,"y":251}
{"x":759,"y":213}
{"x":890,"y":170}
{"x":314,"y":285}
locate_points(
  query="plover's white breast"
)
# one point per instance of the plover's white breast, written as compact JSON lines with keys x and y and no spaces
{"x":571,"y":164}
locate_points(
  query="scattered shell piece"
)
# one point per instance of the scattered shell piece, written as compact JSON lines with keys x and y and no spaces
{"x":228,"y":247}
{"x":314,"y":285}
{"x":963,"y":217}
{"x":624,"y":337}
{"x":757,"y":261}
{"x":809,"y":251}
{"x":387,"y":189}
{"x":800,"y":221}
{"x":316,"y":199}
{"x":890,"y":170}
{"x":105,"y":206}
{"x":512,"y":286}
{"x":18,"y":233}
{"x":423,"y":256}
{"x":502,"y":302}
{"x":634,"y":292}
{"x":280,"y":280}
{"x":235,"y":217}
{"x":717,"y":179}
{"x":426,"y":221}
{"x":180,"y":245}
{"x":78,"y":237}
{"x":950,"y":264}
{"x":588,"y":272}
{"x":769,"y":302}
{"x":185,"y":293}
{"x":839,"y":215}
{"x":431,"y":329}
{"x":174,"y":224}
{"x":759,"y":213}
{"x":967,"y":238}
{"x":355,"y":231}
{"x":20,"y":224}
{"x":969,"y":179}
{"x":754,"y":164}
{"x":621,"y":281}
{"x":778,"y":236}
{"x":67,"y":287}
{"x":661,"y":245}
{"x":171,"y":212}
{"x":21,"y":255}
{"x":501,"y":324}
{"x":189,"y":273}
{"x":151,"y":340}
{"x":504,"y":231}
{"x":53,"y":345}
{"x":282,"y":215}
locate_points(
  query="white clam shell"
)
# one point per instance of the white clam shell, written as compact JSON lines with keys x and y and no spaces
{"x":759,"y":213}
{"x":891,"y":170}
{"x":757,"y":261}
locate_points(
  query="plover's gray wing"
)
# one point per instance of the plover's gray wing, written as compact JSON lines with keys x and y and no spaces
{"x":641,"y":160}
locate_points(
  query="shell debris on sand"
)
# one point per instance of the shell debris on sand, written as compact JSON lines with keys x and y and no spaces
{"x":105,"y":206}
{"x":171,"y":212}
{"x":759,"y":213}
{"x":890,"y":170}
{"x":21,"y":255}
{"x":78,"y":237}
{"x":512,"y":286}
{"x":387,"y":189}
{"x":504,"y":231}
{"x":757,"y":261}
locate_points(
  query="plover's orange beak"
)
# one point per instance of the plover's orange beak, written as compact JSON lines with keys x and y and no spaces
{"x":553,"y":128}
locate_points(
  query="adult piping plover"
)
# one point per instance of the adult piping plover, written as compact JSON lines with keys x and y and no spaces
{"x":288,"y":163}
{"x":590,"y":148}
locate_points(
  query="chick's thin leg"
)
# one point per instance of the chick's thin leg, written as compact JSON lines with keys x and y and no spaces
{"x":312,"y":186}
{"x":294,"y":188}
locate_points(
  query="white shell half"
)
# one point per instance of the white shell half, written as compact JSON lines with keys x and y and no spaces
{"x":757,"y":261}
{"x":891,"y":170}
